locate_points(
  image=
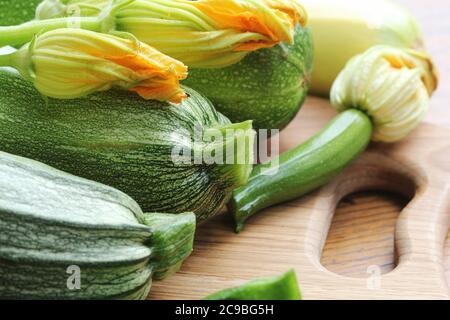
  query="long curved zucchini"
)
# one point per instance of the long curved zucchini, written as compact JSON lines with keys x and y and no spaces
{"x":120,"y":140}
{"x":305,"y":168}
{"x":64,"y":237}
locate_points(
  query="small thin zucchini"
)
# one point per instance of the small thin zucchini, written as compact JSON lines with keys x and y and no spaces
{"x":305,"y":168}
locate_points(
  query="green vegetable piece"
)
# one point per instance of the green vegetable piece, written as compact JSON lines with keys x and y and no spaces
{"x":305,"y":168}
{"x":284,"y":287}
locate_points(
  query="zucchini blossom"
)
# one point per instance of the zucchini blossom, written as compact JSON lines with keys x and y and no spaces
{"x":202,"y":33}
{"x":72,"y":63}
{"x":393,"y":86}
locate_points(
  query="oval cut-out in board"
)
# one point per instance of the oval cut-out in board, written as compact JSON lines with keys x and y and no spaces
{"x":447,"y":258}
{"x":361,"y":238}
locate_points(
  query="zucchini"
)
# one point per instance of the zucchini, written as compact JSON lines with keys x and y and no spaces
{"x":305,"y":168}
{"x":284,"y":287}
{"x":120,"y":140}
{"x":53,"y":225}
{"x":268,"y":86}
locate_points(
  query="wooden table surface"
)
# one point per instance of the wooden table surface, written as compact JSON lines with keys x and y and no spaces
{"x":367,"y":220}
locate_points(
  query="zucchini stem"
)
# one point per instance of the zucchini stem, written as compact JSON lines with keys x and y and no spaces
{"x":305,"y":168}
{"x":6,"y":60}
{"x":172,"y":240}
{"x":21,"y":34}
{"x":235,"y":150}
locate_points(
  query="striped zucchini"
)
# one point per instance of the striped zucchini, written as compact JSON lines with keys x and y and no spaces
{"x":64,"y":237}
{"x":120,"y":140}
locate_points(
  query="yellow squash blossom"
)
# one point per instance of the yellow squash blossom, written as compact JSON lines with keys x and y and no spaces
{"x":392,"y":85}
{"x":202,"y":33}
{"x":71,"y":63}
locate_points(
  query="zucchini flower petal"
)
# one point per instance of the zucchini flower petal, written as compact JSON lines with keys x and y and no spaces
{"x":274,"y":19}
{"x":71,"y":63}
{"x":201,"y":33}
{"x":393,"y":86}
{"x":50,"y":9}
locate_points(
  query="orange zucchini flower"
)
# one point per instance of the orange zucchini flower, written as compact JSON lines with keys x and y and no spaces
{"x":274,"y":19}
{"x":72,"y":63}
{"x":202,"y":33}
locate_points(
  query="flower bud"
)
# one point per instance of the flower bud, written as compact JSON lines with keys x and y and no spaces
{"x":71,"y":63}
{"x":202,"y":33}
{"x":393,"y":86}
{"x":49,"y":9}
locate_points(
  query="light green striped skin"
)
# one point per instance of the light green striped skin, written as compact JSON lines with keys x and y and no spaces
{"x":121,"y":140}
{"x":50,"y":220}
{"x":269,"y":86}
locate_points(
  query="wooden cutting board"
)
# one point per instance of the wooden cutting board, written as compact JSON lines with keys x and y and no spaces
{"x":293,"y":235}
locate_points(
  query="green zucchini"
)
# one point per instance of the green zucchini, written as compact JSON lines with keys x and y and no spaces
{"x":305,"y":168}
{"x":120,"y":140}
{"x":284,"y":287}
{"x":53,"y":225}
{"x":269,"y":86}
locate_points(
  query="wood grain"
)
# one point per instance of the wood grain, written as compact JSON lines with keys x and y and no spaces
{"x":364,"y":227}
{"x":362,"y":234}
{"x":433,"y":15}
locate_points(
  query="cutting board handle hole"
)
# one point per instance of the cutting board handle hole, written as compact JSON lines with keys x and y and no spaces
{"x":368,"y":233}
{"x":447,"y":258}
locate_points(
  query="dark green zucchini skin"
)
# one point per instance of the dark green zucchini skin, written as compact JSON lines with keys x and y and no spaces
{"x":51,"y":221}
{"x":304,"y":168}
{"x":121,"y":140}
{"x":13,"y":12}
{"x":269,"y":86}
